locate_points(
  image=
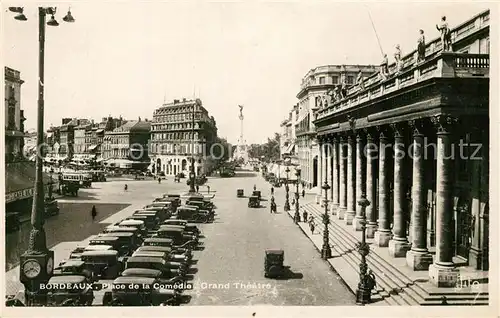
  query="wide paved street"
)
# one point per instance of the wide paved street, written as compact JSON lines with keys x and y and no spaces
{"x":230,"y":268}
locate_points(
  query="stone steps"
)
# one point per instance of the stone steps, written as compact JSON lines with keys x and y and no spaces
{"x":389,"y":286}
{"x":392,"y":284}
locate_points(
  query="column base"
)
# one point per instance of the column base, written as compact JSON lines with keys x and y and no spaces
{"x":356,"y":223}
{"x":334,"y":207}
{"x":443,"y":276}
{"x":348,"y":217}
{"x":418,"y":261}
{"x":398,"y":248}
{"x":340,"y":213}
{"x":370,"y":230}
{"x":381,"y":239}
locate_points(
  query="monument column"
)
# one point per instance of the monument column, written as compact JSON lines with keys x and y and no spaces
{"x":371,"y":183}
{"x":360,"y":187}
{"x":418,"y":258}
{"x":398,"y":246}
{"x":351,"y":179}
{"x":443,"y":272}
{"x":383,"y":233}
{"x":342,"y":178}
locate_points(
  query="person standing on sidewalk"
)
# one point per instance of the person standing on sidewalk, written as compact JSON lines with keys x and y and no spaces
{"x":304,"y":216}
{"x":208,"y":188}
{"x":93,"y":213}
{"x":303,"y":193}
{"x":272,"y":190}
{"x":311,"y":223}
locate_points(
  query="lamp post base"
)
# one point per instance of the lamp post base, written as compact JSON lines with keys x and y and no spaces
{"x":363,"y":295}
{"x":326,"y":252}
{"x":296,"y":217}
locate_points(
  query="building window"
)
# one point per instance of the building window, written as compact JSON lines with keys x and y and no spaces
{"x":335,"y":79}
{"x":350,"y":79}
{"x":322,"y":80}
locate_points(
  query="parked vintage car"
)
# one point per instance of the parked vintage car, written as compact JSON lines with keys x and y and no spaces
{"x":240,"y":193}
{"x":51,"y":207}
{"x":253,"y":202}
{"x":140,"y":291}
{"x":273,"y":263}
{"x":69,"y":188}
{"x":182,"y":266}
{"x":73,"y":291}
{"x":103,"y":264}
{"x":73,"y":267}
{"x":127,"y":241}
{"x":257,"y":194}
{"x":154,"y":263}
{"x":178,"y":234}
{"x":116,"y":242}
{"x":174,"y":254}
{"x":12,"y":222}
{"x":193,"y":214}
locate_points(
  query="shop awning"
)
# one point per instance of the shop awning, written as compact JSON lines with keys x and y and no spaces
{"x":93,"y":147}
{"x":20,"y":180}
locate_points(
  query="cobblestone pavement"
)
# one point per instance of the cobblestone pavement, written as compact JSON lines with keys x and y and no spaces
{"x":231,"y":268}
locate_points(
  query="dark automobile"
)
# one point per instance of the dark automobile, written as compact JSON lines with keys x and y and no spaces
{"x":174,"y":255}
{"x":127,"y":241}
{"x":257,"y":194}
{"x":73,"y":267}
{"x":113,"y":241}
{"x":165,"y":209}
{"x":193,"y":214}
{"x":240,"y":193}
{"x":51,"y":207}
{"x":72,"y":291}
{"x":12,"y":222}
{"x":69,"y":188}
{"x":273,"y":263}
{"x":104,"y":264}
{"x":150,"y":220}
{"x":170,"y":231}
{"x":153,"y":263}
{"x":170,"y":263}
{"x":140,"y":291}
{"x":142,"y":272}
{"x":253,"y":202}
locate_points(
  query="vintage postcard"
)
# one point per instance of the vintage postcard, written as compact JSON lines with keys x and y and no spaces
{"x":249,"y":158}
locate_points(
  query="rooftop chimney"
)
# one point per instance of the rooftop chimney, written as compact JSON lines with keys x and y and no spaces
{"x":176,"y":101}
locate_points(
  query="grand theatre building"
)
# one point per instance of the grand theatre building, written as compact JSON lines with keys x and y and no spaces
{"x":415,"y":143}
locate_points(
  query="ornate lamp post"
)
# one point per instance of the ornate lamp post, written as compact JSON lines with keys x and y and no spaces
{"x":296,"y":216}
{"x":326,"y":251}
{"x":287,"y":190}
{"x":51,"y":183}
{"x":37,"y":263}
{"x":366,"y":281}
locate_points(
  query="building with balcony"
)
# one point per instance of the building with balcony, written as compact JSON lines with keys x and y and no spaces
{"x":127,"y":146}
{"x":288,"y":147}
{"x":425,"y":171}
{"x":318,"y":88}
{"x":14,"y":116}
{"x":80,"y":145}
{"x":175,"y":141}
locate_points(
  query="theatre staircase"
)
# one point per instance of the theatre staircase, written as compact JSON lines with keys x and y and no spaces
{"x":397,"y":284}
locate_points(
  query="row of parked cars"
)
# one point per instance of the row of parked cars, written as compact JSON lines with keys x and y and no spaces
{"x":143,"y":260}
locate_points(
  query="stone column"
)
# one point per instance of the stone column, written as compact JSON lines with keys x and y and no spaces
{"x":399,"y":245}
{"x":442,"y":272}
{"x":371,"y":185}
{"x":383,"y":233}
{"x":360,"y":187}
{"x":351,"y":180}
{"x":320,"y":171}
{"x":342,"y":179}
{"x":328,"y":169}
{"x":418,"y":258}
{"x":335,"y":175}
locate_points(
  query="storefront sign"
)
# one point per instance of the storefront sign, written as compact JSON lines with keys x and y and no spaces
{"x":19,"y":195}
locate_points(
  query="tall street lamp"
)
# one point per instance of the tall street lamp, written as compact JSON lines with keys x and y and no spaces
{"x":51,"y":183}
{"x":296,"y":216}
{"x":37,"y":263}
{"x":366,"y":281}
{"x":326,"y":251}
{"x":287,"y":190}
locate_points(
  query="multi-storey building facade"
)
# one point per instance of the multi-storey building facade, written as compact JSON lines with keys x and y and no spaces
{"x":426,"y":168}
{"x":14,"y":116}
{"x":288,"y":137}
{"x":128,"y":145}
{"x":98,"y":132}
{"x":174,"y":140}
{"x":320,"y":86}
{"x":80,"y":136}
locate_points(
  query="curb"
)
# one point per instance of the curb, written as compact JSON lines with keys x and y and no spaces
{"x":329,"y":264}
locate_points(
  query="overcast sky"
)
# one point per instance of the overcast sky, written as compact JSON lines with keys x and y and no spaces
{"x":124,"y":58}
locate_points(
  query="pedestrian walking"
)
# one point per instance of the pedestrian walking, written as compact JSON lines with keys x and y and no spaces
{"x":208,"y":188}
{"x":159,"y":179}
{"x":303,"y":193}
{"x":197,"y":188}
{"x":304,"y":216}
{"x":311,"y":223}
{"x":93,"y":213}
{"x":272,"y":190}
{"x":254,"y":187}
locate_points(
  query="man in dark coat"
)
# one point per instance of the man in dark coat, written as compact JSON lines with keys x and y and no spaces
{"x":93,"y":213}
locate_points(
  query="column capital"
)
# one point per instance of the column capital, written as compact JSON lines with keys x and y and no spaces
{"x":360,"y":134}
{"x":335,"y":138}
{"x":371,"y":133}
{"x":443,"y":123}
{"x":418,"y":126}
{"x":383,"y":131}
{"x":399,"y":129}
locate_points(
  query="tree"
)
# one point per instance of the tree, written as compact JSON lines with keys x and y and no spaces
{"x":270,"y":150}
{"x":221,"y":151}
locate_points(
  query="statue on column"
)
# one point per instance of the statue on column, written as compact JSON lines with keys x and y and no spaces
{"x":397,"y":57}
{"x":360,"y":80}
{"x":421,"y":46}
{"x":445,"y":34}
{"x":241,"y":111}
{"x":384,"y":67}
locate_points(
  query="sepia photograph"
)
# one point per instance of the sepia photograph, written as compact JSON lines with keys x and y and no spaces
{"x":280,"y":158}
